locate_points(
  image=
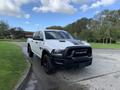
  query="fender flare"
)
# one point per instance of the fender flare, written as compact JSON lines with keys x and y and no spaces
{"x":45,"y":51}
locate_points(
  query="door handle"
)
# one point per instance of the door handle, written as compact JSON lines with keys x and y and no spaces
{"x":36,"y":42}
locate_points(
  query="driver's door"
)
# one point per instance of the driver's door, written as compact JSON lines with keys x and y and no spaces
{"x":40,"y":44}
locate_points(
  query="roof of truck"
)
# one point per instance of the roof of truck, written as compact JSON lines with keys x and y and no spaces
{"x":52,"y":30}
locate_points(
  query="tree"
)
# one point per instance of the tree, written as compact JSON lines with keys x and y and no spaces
{"x":78,"y":26}
{"x":17,"y":33}
{"x":104,"y":27}
{"x":109,"y":20}
{"x":55,"y":27}
{"x":4,"y":27}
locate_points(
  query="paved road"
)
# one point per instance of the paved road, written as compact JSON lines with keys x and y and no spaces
{"x":103,"y":74}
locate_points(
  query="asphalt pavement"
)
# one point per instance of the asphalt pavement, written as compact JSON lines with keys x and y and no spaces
{"x":103,"y":74}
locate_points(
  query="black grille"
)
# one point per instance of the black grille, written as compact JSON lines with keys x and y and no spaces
{"x":77,"y":51}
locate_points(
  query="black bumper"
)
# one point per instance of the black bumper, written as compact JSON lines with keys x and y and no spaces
{"x":82,"y":61}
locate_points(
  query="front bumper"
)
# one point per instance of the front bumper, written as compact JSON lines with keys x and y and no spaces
{"x":82,"y":61}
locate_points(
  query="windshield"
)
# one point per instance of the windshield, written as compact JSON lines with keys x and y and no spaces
{"x":57,"y":35}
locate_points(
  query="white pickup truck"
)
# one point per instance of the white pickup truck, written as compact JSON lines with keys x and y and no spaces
{"x":58,"y":48}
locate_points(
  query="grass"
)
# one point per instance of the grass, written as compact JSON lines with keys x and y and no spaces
{"x":106,"y":46}
{"x":12,"y":65}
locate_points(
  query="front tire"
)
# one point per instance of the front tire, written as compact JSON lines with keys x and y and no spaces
{"x":30,"y":53}
{"x":47,"y":64}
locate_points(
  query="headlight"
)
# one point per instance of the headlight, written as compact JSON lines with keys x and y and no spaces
{"x":57,"y":52}
{"x":86,"y":43}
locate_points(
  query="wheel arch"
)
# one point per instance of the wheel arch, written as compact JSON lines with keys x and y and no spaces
{"x":44,"y":52}
{"x":28,"y":45}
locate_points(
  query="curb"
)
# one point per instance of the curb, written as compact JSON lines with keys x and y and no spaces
{"x":24,"y":79}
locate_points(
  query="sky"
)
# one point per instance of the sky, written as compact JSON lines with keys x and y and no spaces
{"x":34,"y":15}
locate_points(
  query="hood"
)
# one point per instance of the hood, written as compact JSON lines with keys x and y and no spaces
{"x":62,"y":44}
{"x":79,"y":42}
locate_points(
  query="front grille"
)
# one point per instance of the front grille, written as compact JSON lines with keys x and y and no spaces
{"x":78,"y":51}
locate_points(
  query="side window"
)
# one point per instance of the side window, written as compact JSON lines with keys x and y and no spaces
{"x":41,"y":35}
{"x":36,"y":36}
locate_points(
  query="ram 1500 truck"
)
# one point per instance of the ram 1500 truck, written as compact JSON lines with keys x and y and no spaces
{"x":58,"y":48}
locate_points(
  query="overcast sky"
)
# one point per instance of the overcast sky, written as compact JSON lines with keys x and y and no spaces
{"x":33,"y":15}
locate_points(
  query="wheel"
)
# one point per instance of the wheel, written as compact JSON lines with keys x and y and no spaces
{"x":90,"y":63}
{"x":47,"y":64}
{"x":76,"y":66}
{"x":30,"y":53}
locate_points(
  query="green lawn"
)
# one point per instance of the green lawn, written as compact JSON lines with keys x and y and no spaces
{"x":107,"y":46}
{"x":12,"y":65}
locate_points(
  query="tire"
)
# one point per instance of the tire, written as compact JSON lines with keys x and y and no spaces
{"x":77,"y":66}
{"x":90,"y":63}
{"x":30,"y":53}
{"x":47,"y":64}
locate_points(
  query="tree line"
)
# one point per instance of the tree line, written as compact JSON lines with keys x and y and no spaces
{"x":10,"y":33}
{"x":103,"y":27}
